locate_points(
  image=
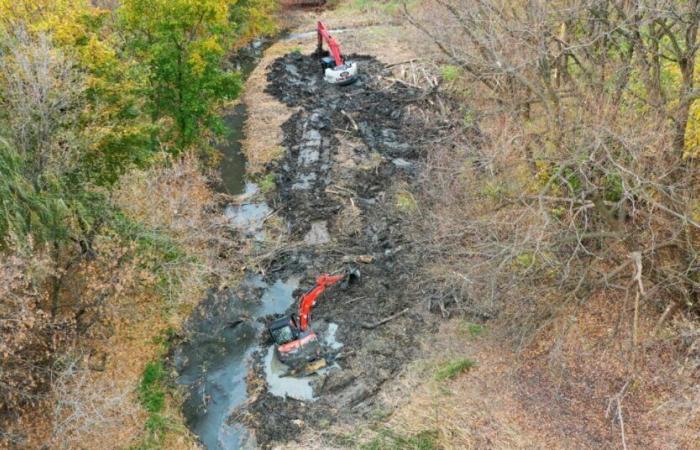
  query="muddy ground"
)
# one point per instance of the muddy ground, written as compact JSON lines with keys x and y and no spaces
{"x":349,"y":153}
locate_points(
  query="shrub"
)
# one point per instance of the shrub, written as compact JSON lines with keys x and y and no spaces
{"x":451,"y":369}
{"x":450,"y":73}
{"x":388,"y":439}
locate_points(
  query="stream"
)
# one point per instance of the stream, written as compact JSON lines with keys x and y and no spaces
{"x":223,"y":333}
{"x":225,"y":330}
{"x":214,"y":362}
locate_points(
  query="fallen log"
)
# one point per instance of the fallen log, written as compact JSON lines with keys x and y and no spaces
{"x":385,"y":320}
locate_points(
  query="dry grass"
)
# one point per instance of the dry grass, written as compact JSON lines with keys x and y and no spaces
{"x":579,"y":365}
{"x":100,"y":408}
{"x":477,"y":409}
{"x":263,"y":132}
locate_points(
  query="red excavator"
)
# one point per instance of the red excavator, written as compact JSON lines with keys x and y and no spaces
{"x":295,"y":343}
{"x":336,"y":69}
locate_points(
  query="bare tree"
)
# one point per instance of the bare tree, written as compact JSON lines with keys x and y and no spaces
{"x":42,"y":99}
{"x":592,"y":99}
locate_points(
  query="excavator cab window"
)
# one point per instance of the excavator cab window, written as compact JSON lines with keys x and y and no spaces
{"x":327,"y":63}
{"x":284,"y":330}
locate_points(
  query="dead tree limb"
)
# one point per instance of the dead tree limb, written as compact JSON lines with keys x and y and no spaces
{"x":385,"y":320}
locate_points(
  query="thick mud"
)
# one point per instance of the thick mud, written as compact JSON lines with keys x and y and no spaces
{"x":343,"y":187}
{"x":348,"y":150}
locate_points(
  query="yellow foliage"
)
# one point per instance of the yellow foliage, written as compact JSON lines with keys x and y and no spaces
{"x":59,"y":18}
{"x":692,"y":133}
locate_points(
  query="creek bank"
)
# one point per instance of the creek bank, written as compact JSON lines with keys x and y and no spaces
{"x":232,"y":165}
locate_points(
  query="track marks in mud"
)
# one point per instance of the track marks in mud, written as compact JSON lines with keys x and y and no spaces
{"x":346,"y":150}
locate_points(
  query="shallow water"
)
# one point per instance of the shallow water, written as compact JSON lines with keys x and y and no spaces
{"x":312,"y":34}
{"x":214,"y":365}
{"x":330,"y":338}
{"x":283,"y":386}
{"x":248,"y":217}
{"x":232,"y":165}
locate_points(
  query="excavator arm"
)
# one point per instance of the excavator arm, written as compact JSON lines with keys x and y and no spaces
{"x":308,"y":300}
{"x":296,"y":343}
{"x":333,"y":46}
{"x":335,"y":68}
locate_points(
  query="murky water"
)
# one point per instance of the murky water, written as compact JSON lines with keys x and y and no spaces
{"x":330,"y":338}
{"x":286,"y":386}
{"x":248,"y":216}
{"x":214,"y":363}
{"x":312,"y":34}
{"x":279,"y":383}
{"x":233,"y":162}
{"x":232,"y":165}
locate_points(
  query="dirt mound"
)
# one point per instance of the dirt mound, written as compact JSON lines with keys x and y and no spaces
{"x":347,"y":148}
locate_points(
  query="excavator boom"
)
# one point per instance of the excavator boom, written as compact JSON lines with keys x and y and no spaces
{"x":308,"y":300}
{"x":336,"y":69}
{"x":333,"y":46}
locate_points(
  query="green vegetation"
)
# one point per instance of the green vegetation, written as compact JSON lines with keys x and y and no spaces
{"x":151,"y":390}
{"x":470,"y":328}
{"x":91,"y":94}
{"x":388,"y":6}
{"x":450,"y":72}
{"x":267,"y":183}
{"x":152,"y":396}
{"x":406,"y":202}
{"x":183,"y":43}
{"x":451,"y":369}
{"x":388,"y":439}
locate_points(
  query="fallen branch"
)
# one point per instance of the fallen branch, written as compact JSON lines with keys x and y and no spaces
{"x":616,"y":415}
{"x":353,"y":300}
{"x":408,"y":61}
{"x":352,"y":121}
{"x":383,"y":321}
{"x":270,"y":214}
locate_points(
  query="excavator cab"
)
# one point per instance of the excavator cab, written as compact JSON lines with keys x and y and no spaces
{"x":327,"y":62}
{"x":284,"y":330}
{"x":293,"y":346}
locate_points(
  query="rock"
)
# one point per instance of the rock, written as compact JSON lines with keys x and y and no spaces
{"x":318,"y":234}
{"x":401,"y":163}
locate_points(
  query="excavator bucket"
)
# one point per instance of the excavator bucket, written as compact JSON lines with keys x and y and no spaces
{"x":352,"y":276}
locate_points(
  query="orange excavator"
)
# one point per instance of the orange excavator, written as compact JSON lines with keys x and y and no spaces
{"x":296,"y":344}
{"x":336,"y":69}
